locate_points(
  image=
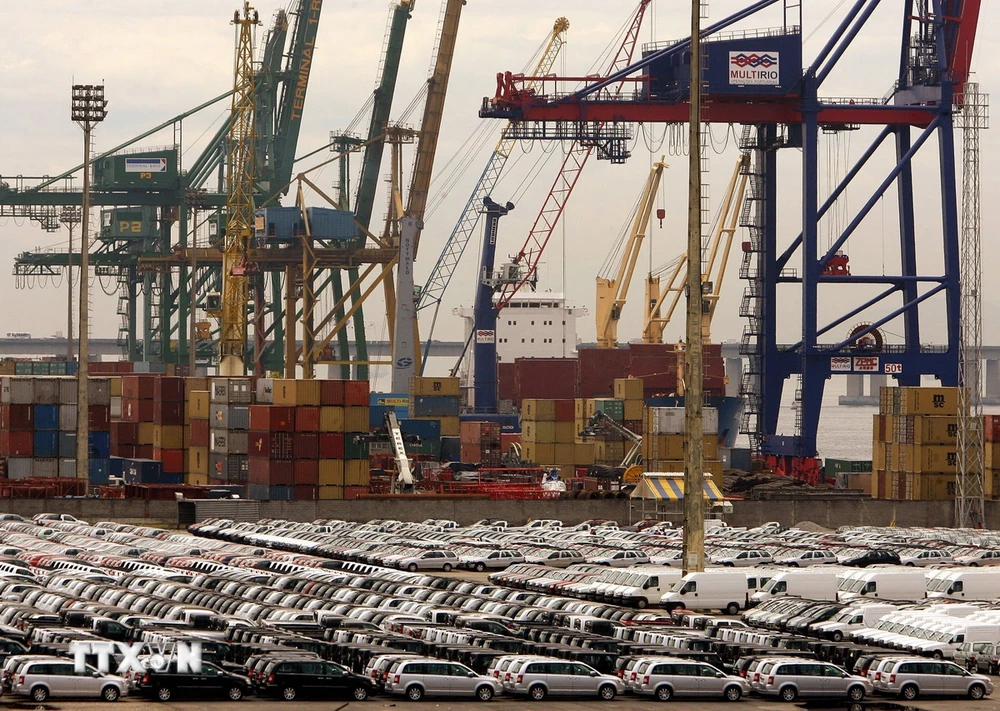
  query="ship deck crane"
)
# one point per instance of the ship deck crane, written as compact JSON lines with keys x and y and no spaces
{"x":600,"y":421}
{"x":612,"y":293}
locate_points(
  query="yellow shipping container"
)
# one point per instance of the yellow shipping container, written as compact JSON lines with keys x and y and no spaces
{"x":634,"y":409}
{"x":664,"y":446}
{"x":714,"y":467}
{"x":331,"y":419}
{"x":538,"y":410}
{"x":192,"y":384}
{"x":930,"y":459}
{"x":992,"y":460}
{"x":197,"y":460}
{"x":331,"y":492}
{"x":192,"y":479}
{"x":356,"y":472}
{"x":168,"y":436}
{"x":538,"y":432}
{"x":583,"y":453}
{"x":446,"y":387}
{"x":564,"y":454}
{"x":878,"y":455}
{"x":198,"y":405}
{"x":147,"y":433}
{"x":297,"y":392}
{"x":664,"y":465}
{"x":589,"y":407}
{"x":629,"y":389}
{"x":331,"y":472}
{"x":710,"y":448}
{"x":540,"y":453}
{"x":451,"y":427}
{"x":356,"y":419}
{"x":116,"y":385}
{"x":566,"y":432}
{"x":580,"y":409}
{"x":930,"y":429}
{"x":928,"y":401}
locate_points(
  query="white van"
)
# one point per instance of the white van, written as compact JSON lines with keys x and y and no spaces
{"x":965,"y":585}
{"x":728,"y":591}
{"x":885,"y":584}
{"x":807,"y":584}
{"x":644,"y":586}
{"x":850,"y":619}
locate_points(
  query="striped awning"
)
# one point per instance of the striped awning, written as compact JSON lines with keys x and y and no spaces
{"x":671,"y":488}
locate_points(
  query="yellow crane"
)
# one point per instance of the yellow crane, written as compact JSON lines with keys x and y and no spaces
{"x":612,"y":293}
{"x":719,"y":246}
{"x":239,"y":202}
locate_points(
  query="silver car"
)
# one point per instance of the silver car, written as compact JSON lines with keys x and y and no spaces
{"x":667,"y":679}
{"x":794,"y":679}
{"x":805,"y":559}
{"x":924,"y":558}
{"x":620,"y":559}
{"x":39,"y":679}
{"x":911,"y":678}
{"x":557,"y":559}
{"x":491,"y":560}
{"x":745,"y":559}
{"x":429,"y":560}
{"x":538,"y":679}
{"x":433,"y":677}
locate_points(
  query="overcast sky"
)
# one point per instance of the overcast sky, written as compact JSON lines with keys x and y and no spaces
{"x":160,"y":59}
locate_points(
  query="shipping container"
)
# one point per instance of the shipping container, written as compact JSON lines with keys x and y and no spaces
{"x":435,"y":387}
{"x":546,"y":378}
{"x":272,"y":418}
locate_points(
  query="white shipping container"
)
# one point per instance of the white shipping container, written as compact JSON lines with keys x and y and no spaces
{"x":670,"y":420}
{"x":21,"y":391}
{"x":238,"y":442}
{"x":5,"y":389}
{"x":45,"y":391}
{"x":99,"y":391}
{"x":67,"y":469}
{"x":265,"y":391}
{"x":219,"y":441}
{"x":20,"y":467}
{"x":68,"y":390}
{"x":116,"y":408}
{"x":67,"y":418}
{"x":46,"y":468}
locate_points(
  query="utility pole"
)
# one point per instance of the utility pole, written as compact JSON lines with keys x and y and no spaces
{"x":694,"y":499}
{"x":89,"y":109}
{"x":70,"y":216}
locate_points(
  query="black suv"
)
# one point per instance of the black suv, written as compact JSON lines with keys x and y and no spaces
{"x":873,"y":557}
{"x":291,"y":679}
{"x":211,"y":681}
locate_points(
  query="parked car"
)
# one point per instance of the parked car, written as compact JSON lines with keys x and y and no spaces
{"x":416,"y":679}
{"x":490,"y":560}
{"x":621,"y":559}
{"x":977,"y":559}
{"x":292,"y":679}
{"x":793,"y":679}
{"x":921,"y":559}
{"x":429,"y":560}
{"x":556,"y":558}
{"x":745,"y":559}
{"x":538,"y":679}
{"x":910,"y":678}
{"x":872,"y":557}
{"x":803,"y":559}
{"x":667,"y":679}
{"x":979,"y":656}
{"x":211,"y":681}
{"x":41,"y":678}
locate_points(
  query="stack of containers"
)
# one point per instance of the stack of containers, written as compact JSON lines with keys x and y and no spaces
{"x":664,"y":443}
{"x":357,"y":395}
{"x":168,"y":427}
{"x":272,"y":448}
{"x":17,"y":426}
{"x":610,"y":448}
{"x":197,"y":410}
{"x":229,"y":423}
{"x":436,"y":399}
{"x":914,"y":452}
{"x":480,"y":443}
{"x":549,"y":435}
{"x":630,"y":392}
{"x":138,"y":407}
{"x":302,"y":399}
{"x":991,"y":435}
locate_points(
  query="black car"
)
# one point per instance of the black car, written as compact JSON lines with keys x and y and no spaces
{"x":873,"y":557}
{"x":291,"y":679}
{"x":211,"y":681}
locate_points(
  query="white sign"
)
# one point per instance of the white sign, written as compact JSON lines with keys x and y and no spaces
{"x":840,"y":364}
{"x":486,"y":336}
{"x":866,"y":364}
{"x":753,"y":68}
{"x":145,"y":165}
{"x":186,"y":654}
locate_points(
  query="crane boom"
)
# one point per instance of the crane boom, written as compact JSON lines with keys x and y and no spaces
{"x":239,"y":202}
{"x":569,"y":173}
{"x":612,"y":293}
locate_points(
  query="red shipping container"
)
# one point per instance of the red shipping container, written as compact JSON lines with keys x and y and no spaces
{"x":712,"y":350}
{"x":143,"y":451}
{"x":307,"y":472}
{"x":272,"y":418}
{"x":651,"y":350}
{"x":100,"y":418}
{"x":506,"y":381}
{"x":355,"y":492}
{"x":166,"y":389}
{"x":331,"y":392}
{"x":260,"y":471}
{"x":659,"y":375}
{"x":271,"y":445}
{"x":19,"y":417}
{"x":172,"y":459}
{"x":102,"y":368}
{"x":306,"y":446}
{"x":992,"y":429}
{"x":356,"y":393}
{"x":305,"y":493}
{"x":282,"y":472}
{"x":507,"y":439}
{"x":138,"y":387}
{"x":138,"y":410}
{"x":17,"y":444}
{"x":124,"y":366}
{"x":471,"y":453}
{"x":307,"y":419}
{"x":124,"y":433}
{"x":168,"y":413}
{"x":331,"y":445}
{"x":633,"y":426}
{"x":198,"y":435}
{"x":599,"y":368}
{"x":546,"y":378}
{"x":565,"y":411}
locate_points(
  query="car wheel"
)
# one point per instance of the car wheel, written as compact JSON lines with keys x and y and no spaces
{"x":664,"y":693}
{"x":446,"y":567}
{"x":793,"y":564}
{"x":360,"y":693}
{"x":607,"y":692}
{"x":856,"y":693}
{"x":977,"y":691}
{"x":641,"y":603}
{"x":732,"y":609}
{"x":164,"y":693}
{"x":480,"y":567}
{"x":235,"y":693}
{"x":537,"y":693}
{"x":909,"y":692}
{"x":39,"y":694}
{"x":412,"y":567}
{"x":789,"y":693}
{"x":733,"y":693}
{"x":484,"y":693}
{"x":909,"y":565}
{"x":728,"y":565}
{"x":838,"y":636}
{"x":973,"y":565}
{"x":938,"y":655}
{"x":415,"y":693}
{"x":289,"y":693}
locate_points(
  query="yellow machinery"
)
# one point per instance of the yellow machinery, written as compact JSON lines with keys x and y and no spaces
{"x":239,"y":203}
{"x":612,"y":293}
{"x":718,"y":248}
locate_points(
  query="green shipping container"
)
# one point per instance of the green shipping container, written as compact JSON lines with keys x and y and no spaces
{"x":137,"y":171}
{"x":355,"y":450}
{"x":615,"y":409}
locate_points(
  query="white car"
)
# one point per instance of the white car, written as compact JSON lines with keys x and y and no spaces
{"x":745,"y":559}
{"x":925,"y":558}
{"x":805,"y":559}
{"x":490,"y":560}
{"x":621,"y":559}
{"x":979,"y":558}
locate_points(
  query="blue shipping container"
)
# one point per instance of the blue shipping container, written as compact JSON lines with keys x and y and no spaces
{"x":100,"y":444}
{"x":327,"y":223}
{"x":280,"y":493}
{"x":424,"y":429}
{"x":278,"y":223}
{"x":451,"y":449}
{"x":258,"y":492}
{"x":46,"y":417}
{"x":142,"y":471}
{"x":46,"y":444}
{"x":99,"y":471}
{"x":116,"y":466}
{"x":166,"y":478}
{"x":428,"y":406}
